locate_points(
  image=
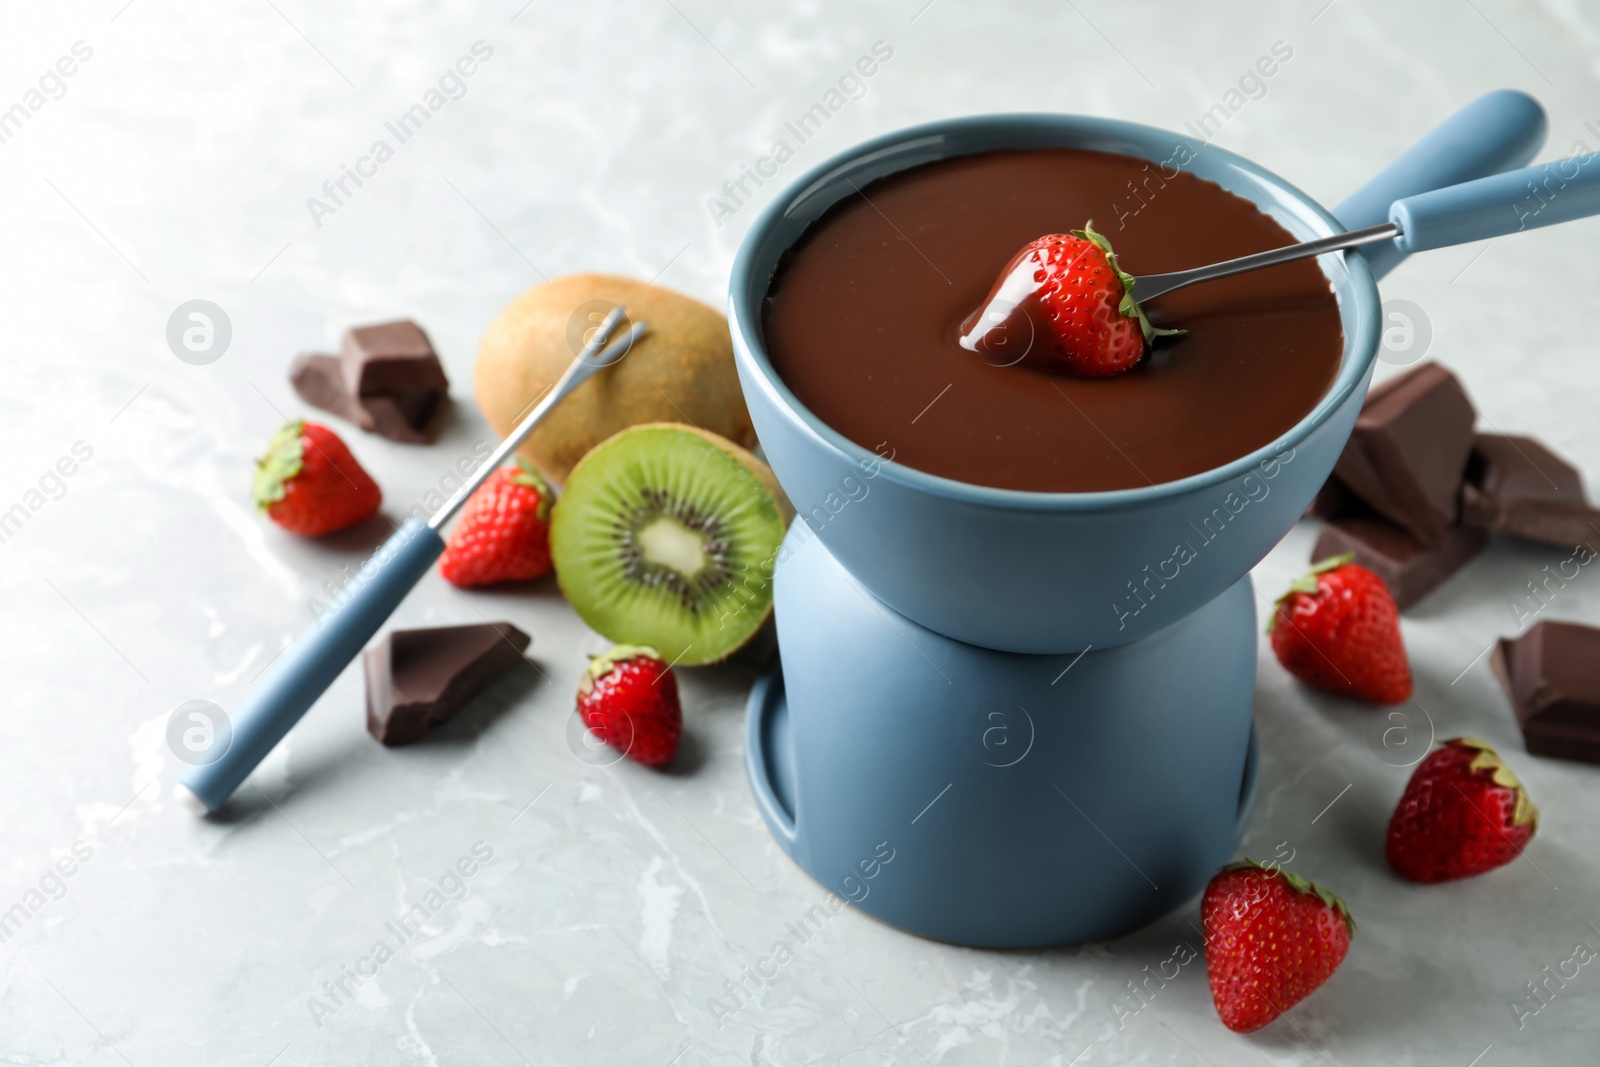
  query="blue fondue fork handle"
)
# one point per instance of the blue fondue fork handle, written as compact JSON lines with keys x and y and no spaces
{"x":1501,"y":204}
{"x":310,"y":666}
{"x":1498,"y":130}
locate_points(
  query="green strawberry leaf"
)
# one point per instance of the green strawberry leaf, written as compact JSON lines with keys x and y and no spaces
{"x":600,"y":666}
{"x":526,"y":474}
{"x":1487,"y":759}
{"x":283,"y":459}
{"x":1307,"y":583}
{"x":1300,"y":885}
{"x":1129,"y":307}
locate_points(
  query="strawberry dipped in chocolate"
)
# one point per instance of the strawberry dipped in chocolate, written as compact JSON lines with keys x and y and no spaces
{"x":1066,"y":297}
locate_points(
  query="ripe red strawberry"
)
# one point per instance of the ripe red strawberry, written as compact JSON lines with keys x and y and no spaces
{"x":503,"y":534}
{"x":1271,"y":938}
{"x":629,"y":699}
{"x":1462,"y":813}
{"x":1337,"y":628}
{"x":1078,"y":300}
{"x":310,"y":484}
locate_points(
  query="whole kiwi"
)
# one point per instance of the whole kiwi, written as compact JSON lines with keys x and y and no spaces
{"x":680,"y":371}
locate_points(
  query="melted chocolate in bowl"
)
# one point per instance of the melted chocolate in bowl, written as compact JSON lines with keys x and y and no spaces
{"x":865,"y":314}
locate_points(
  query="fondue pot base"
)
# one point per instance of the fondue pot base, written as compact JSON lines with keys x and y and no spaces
{"x":997,"y":799}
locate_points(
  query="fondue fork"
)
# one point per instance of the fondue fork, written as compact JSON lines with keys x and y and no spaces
{"x":1501,"y":204}
{"x":323,"y":652}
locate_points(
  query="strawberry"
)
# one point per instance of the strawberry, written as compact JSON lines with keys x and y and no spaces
{"x":1078,"y":300}
{"x":629,"y":699}
{"x":310,"y":484}
{"x":503,"y":534}
{"x":1271,"y":938}
{"x":1462,"y":813}
{"x":1337,"y":628}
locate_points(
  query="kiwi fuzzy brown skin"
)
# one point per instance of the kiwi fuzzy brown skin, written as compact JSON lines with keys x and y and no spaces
{"x":681,"y":370}
{"x":759,"y":470}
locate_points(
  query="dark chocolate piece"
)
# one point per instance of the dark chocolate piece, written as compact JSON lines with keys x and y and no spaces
{"x":386,"y":379}
{"x":319,"y":380}
{"x":389,"y":358}
{"x":417,"y":679}
{"x":403,"y":417}
{"x":1409,"y":449}
{"x":393,"y":372}
{"x":1551,"y":675}
{"x":1409,"y":568}
{"x":1335,"y":500}
{"x":1518,"y":485}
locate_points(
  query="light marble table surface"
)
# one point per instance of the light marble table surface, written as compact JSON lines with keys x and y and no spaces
{"x":176,"y":163}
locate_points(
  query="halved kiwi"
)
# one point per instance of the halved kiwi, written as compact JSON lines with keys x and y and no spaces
{"x":667,"y":536}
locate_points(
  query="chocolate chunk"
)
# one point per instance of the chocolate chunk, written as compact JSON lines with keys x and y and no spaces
{"x":1409,"y":449}
{"x":395,"y":375}
{"x":319,"y":379}
{"x":404,"y":417}
{"x":1518,"y":485}
{"x":1335,"y":500}
{"x":386,"y":379}
{"x":1551,"y":677}
{"x":1409,"y":568}
{"x":390,"y":358}
{"x":417,"y":679}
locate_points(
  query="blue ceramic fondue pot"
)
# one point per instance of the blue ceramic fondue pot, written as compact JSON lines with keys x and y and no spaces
{"x":1002,"y":718}
{"x":1047,"y":573}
